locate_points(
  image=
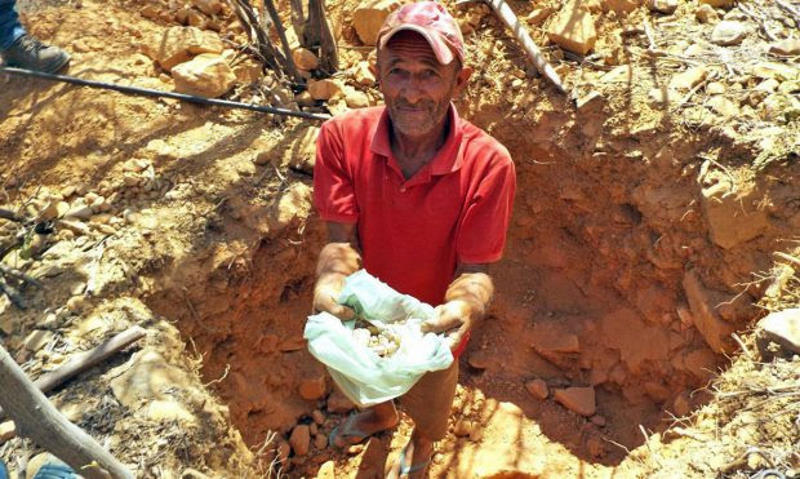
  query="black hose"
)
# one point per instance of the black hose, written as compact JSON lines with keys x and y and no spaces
{"x":162,"y":94}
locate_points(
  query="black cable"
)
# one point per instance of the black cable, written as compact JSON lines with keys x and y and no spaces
{"x":162,"y":94}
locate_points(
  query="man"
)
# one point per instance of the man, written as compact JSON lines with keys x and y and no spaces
{"x":20,"y":49}
{"x":422,"y":198}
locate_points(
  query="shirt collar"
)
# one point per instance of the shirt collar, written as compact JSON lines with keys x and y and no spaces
{"x":447,"y":160}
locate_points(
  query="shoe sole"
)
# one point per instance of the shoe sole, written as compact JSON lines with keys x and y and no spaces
{"x":55,"y":68}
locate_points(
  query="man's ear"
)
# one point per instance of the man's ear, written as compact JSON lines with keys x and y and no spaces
{"x":462,"y":79}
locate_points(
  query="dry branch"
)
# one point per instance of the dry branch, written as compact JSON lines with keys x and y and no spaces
{"x":317,"y":34}
{"x":287,"y":51}
{"x":38,"y":420}
{"x":83,"y":361}
{"x":511,"y":20}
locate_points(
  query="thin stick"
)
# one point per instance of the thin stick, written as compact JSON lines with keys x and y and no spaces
{"x":787,"y":257}
{"x":511,"y":20}
{"x":276,"y":20}
{"x":791,"y":9}
{"x":83,"y":361}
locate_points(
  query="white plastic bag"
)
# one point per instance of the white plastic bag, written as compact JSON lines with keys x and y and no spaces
{"x":363,"y":376}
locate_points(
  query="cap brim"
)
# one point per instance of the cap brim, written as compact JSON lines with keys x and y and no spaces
{"x":440,"y":48}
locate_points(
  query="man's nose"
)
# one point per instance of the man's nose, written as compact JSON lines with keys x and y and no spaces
{"x":412,"y":92}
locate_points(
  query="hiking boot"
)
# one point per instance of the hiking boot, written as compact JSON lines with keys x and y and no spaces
{"x":28,"y":52}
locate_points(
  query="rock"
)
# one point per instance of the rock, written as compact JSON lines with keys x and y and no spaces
{"x":369,"y":16}
{"x":283,"y":450}
{"x":178,"y":45}
{"x":580,"y":400}
{"x":573,"y":30}
{"x":723,"y":107}
{"x":8,"y":430}
{"x":312,"y":388}
{"x":715,"y":331}
{"x":715,"y":88}
{"x":728,"y":32}
{"x":318,"y":417}
{"x":338,"y":402}
{"x":769,"y":85}
{"x":304,"y":99}
{"x":781,"y":328}
{"x":320,"y":441}
{"x":305,"y":59}
{"x":37,"y":339}
{"x":479,"y":359}
{"x":207,"y":75}
{"x":196,"y":19}
{"x":168,"y":410}
{"x":621,"y":6}
{"x":263,"y":158}
{"x":681,"y":405}
{"x":688,"y":79}
{"x":737,"y":15}
{"x":49,"y":211}
{"x":718,"y":3}
{"x":327,"y":470}
{"x":68,"y":191}
{"x":209,"y":7}
{"x":76,"y":303}
{"x":363,"y":75}
{"x":190,"y":473}
{"x":300,"y":440}
{"x":538,"y":16}
{"x":789,"y":46}
{"x":780,"y":107}
{"x":592,"y":101}
{"x":324,"y":89}
{"x":656,"y":391}
{"x":356,"y":99}
{"x":81,"y":211}
{"x":706,"y":14}
{"x":463,"y":427}
{"x":537,"y":388}
{"x":733,"y":217}
{"x":663,"y":6}
{"x":248,"y":72}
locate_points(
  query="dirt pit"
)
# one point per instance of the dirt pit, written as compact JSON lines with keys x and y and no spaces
{"x":603,"y":286}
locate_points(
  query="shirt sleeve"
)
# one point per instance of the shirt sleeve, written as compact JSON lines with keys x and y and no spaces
{"x":482,"y":233}
{"x":334,"y":194}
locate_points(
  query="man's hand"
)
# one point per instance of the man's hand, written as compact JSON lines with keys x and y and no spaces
{"x":337,"y":260}
{"x":326,"y":294}
{"x":454,"y":318}
{"x":467,"y":299}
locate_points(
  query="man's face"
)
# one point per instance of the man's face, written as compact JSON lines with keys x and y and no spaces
{"x":417,"y":88}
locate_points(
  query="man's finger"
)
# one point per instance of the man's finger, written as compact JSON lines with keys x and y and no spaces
{"x":342,"y":312}
{"x":456,"y":336}
{"x":440,"y":323}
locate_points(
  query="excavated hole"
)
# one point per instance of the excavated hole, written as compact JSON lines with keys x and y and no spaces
{"x":583,"y":300}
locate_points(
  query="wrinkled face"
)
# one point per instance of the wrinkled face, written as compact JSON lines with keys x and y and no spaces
{"x":417,"y":89}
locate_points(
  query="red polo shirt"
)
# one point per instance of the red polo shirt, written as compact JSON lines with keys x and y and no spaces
{"x":413,"y":232}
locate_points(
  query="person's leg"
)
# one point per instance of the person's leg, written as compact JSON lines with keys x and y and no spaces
{"x":10,"y":28}
{"x":360,"y":426}
{"x":428,"y":404}
{"x":3,"y":470}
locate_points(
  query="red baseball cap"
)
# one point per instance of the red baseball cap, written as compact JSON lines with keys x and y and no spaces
{"x":433,"y":22}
